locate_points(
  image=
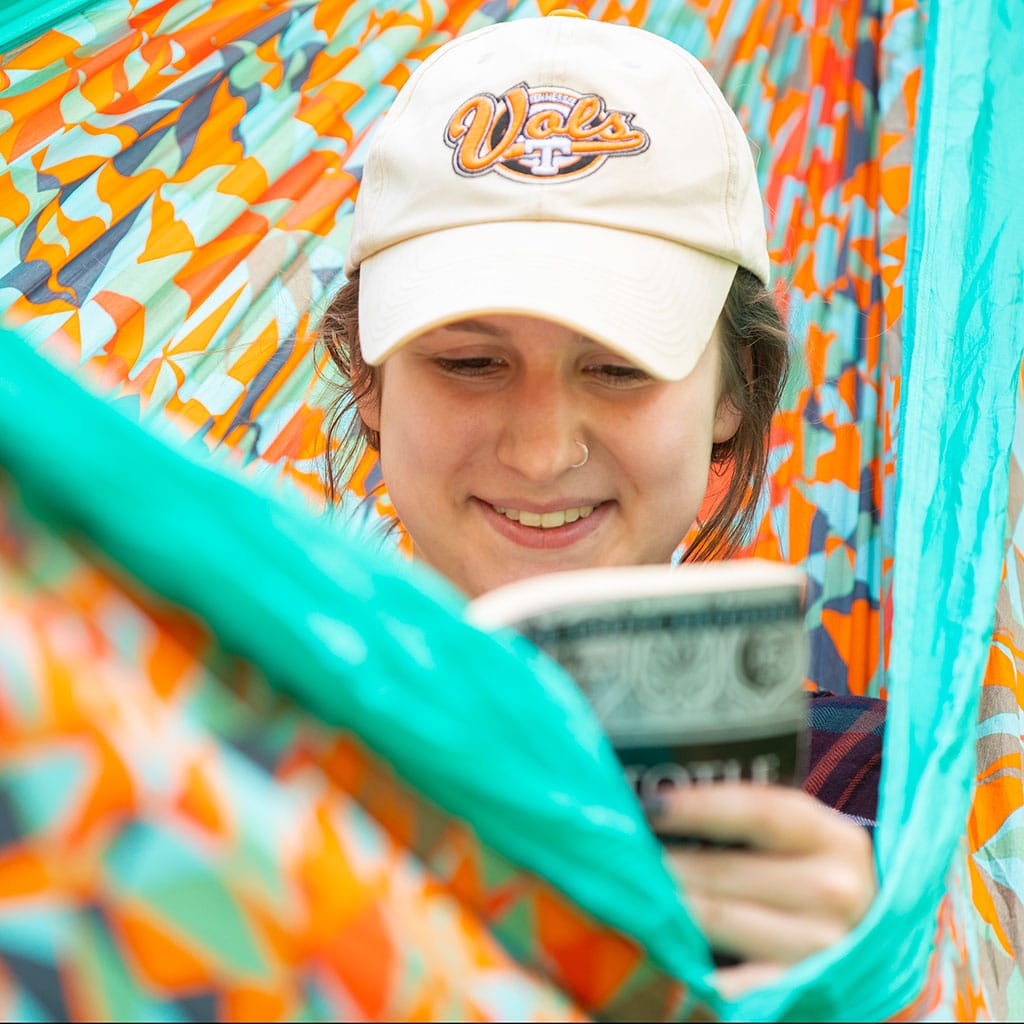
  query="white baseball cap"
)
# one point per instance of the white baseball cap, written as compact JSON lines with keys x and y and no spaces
{"x":587,"y":173}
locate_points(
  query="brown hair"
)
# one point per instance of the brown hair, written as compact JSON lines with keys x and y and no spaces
{"x":755,"y":363}
{"x":754,"y":368}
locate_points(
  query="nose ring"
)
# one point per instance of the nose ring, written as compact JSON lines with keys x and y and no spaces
{"x":583,"y":461}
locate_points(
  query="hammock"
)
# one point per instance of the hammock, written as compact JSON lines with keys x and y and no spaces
{"x":255,"y":800}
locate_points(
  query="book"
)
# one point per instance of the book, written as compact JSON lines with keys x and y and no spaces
{"x":696,"y":673}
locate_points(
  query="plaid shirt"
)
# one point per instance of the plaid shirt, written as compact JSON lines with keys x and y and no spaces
{"x":845,"y":762}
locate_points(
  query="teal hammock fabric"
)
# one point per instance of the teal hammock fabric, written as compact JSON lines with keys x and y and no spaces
{"x":338,"y":614}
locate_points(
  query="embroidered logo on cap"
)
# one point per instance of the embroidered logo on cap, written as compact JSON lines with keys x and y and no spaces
{"x":539,"y":134}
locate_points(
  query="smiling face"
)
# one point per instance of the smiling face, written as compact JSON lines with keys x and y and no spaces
{"x":479,"y":422}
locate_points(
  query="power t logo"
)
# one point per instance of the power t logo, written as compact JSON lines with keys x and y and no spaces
{"x":539,"y":134}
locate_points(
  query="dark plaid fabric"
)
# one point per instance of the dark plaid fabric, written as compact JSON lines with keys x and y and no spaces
{"x":845,"y":762}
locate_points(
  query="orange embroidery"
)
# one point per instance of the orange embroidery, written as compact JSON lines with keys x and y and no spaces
{"x":539,"y":134}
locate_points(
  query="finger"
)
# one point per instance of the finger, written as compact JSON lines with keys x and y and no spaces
{"x":757,"y":933}
{"x":841,"y":886}
{"x":734,"y":982}
{"x":773,"y":818}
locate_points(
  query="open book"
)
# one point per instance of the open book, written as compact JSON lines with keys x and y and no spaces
{"x":696,"y":673}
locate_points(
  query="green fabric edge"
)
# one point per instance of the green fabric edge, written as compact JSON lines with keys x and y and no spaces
{"x":27,"y":19}
{"x":963,"y":340}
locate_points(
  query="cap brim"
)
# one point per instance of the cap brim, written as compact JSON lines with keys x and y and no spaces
{"x":653,"y":301}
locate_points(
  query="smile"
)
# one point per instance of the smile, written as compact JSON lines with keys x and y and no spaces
{"x":545,"y":520}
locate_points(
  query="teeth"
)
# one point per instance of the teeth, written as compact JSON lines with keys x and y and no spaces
{"x":546,"y":520}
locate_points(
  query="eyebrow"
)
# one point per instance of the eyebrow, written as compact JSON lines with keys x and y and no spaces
{"x":476,"y":326}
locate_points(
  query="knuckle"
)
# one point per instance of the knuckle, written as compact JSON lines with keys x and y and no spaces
{"x":844,"y":893}
{"x":708,"y":913}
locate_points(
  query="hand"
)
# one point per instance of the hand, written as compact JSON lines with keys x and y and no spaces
{"x":803,"y":877}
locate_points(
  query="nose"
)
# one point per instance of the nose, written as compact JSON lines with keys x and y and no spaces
{"x":541,"y":424}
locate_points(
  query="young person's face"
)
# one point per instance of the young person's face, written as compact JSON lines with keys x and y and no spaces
{"x":479,"y":421}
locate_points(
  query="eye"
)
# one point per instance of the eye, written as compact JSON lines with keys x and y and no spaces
{"x":618,"y":374}
{"x":470,"y":366}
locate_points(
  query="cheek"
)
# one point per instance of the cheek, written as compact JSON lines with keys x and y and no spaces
{"x":670,"y":465}
{"x":677,"y":468}
{"x":423,"y":442}
{"x":407,"y":441}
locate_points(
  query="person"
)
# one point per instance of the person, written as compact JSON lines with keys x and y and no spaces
{"x":557,"y":329}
